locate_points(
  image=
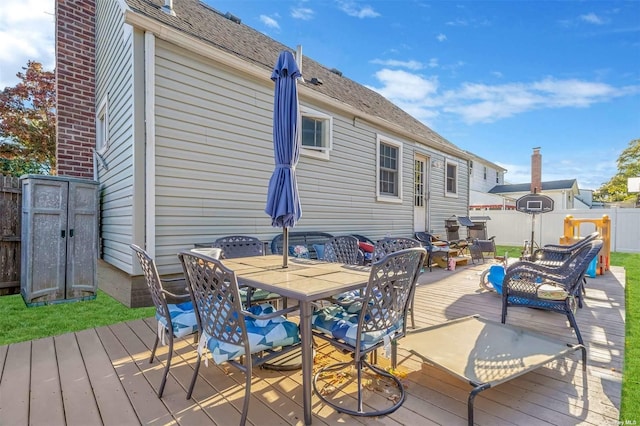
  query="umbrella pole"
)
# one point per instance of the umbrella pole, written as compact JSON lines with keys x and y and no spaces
{"x":285,"y":247}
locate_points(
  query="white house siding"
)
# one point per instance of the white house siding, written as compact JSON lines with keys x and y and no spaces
{"x":214,"y":158}
{"x":478,"y":182}
{"x":114,"y":78}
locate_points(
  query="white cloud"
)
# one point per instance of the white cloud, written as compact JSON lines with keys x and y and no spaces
{"x":303,"y":13}
{"x":441,"y":37}
{"x":351,"y":8}
{"x":27,"y":33}
{"x":406,"y":87}
{"x":412,"y":65}
{"x":484,"y":103}
{"x":269,"y":22}
{"x":592,"y":18}
{"x":433,"y":63}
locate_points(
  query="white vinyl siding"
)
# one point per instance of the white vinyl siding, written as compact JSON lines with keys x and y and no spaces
{"x":114,"y":80}
{"x":214,"y":158}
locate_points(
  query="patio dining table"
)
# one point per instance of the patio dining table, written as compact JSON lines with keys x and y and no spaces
{"x":306,"y":281}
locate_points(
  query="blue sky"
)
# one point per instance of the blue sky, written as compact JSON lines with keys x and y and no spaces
{"x":496,"y":78}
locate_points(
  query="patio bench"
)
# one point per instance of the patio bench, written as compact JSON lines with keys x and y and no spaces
{"x":303,"y":238}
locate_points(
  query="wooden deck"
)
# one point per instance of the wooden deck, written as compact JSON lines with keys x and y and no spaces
{"x":102,"y":376}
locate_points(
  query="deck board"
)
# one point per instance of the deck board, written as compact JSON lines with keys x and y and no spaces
{"x":46,"y":398}
{"x":103,"y":376}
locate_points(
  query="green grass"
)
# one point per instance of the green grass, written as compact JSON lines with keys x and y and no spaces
{"x":20,"y":323}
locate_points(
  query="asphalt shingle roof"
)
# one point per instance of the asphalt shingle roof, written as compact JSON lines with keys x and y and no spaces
{"x":526,"y":187}
{"x":207,"y":24}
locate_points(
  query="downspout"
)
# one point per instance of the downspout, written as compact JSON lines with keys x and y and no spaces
{"x":150,"y":143}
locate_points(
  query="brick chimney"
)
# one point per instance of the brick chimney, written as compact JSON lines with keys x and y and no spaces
{"x":536,"y":171}
{"x":75,"y":87}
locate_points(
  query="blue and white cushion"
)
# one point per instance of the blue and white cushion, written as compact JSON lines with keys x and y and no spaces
{"x":183,"y":320}
{"x":263,"y":334}
{"x":340,"y":324}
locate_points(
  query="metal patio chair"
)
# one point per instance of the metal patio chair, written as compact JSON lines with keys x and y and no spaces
{"x":244,"y":338}
{"x":380,"y":323}
{"x":234,"y":246}
{"x":175,"y":320}
{"x":554,"y":289}
{"x":343,"y":249}
{"x":390,"y":245}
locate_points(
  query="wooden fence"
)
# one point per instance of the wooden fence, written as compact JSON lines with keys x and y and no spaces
{"x":10,"y":219}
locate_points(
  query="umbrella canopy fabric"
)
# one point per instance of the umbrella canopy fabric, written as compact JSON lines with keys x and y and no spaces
{"x":283,"y":203}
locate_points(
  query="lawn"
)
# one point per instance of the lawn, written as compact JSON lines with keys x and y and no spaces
{"x":20,"y":323}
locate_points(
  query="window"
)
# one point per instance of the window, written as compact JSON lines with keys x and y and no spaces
{"x":497,"y":176}
{"x":317,"y":133}
{"x":102,"y":127}
{"x":389,"y":185}
{"x":485,"y":173}
{"x":418,"y":182}
{"x":451,"y":179}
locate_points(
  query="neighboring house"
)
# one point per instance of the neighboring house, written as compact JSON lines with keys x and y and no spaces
{"x":181,"y":114}
{"x":484,"y":176}
{"x":564,"y":193}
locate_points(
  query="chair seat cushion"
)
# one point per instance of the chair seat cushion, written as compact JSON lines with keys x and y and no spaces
{"x":319,"y":248}
{"x":366,"y":247}
{"x":258,"y":295}
{"x":340,"y":324}
{"x":550,"y":291}
{"x":183,"y":319}
{"x":263,"y":335}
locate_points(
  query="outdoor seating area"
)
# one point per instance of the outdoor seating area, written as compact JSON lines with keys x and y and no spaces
{"x":103,"y":375}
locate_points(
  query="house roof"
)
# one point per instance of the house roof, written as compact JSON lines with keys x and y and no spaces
{"x":554,"y":185}
{"x":211,"y":26}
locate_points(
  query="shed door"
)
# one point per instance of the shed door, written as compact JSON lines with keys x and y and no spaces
{"x":420,"y":198}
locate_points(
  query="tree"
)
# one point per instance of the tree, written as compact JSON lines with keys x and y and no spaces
{"x":28,"y":121}
{"x":628,"y":166}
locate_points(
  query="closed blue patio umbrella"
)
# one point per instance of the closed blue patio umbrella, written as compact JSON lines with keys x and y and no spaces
{"x":283,"y":203}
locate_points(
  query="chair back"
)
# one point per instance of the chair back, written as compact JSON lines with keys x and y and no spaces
{"x":214,"y":290}
{"x":425,"y":238}
{"x":153,"y":281}
{"x":234,"y":246}
{"x":342,"y":249}
{"x":388,"y":294}
{"x":389,"y":245}
{"x":557,"y":253}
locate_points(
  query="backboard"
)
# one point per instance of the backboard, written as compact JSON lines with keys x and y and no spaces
{"x":534,"y":203}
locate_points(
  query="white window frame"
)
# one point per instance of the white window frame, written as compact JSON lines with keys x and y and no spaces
{"x":321,"y":153}
{"x":447,"y":193}
{"x":387,"y":198}
{"x":102,"y":126}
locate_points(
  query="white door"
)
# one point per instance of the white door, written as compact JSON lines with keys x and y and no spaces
{"x":420,"y":193}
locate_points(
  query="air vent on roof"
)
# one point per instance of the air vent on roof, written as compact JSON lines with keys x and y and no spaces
{"x":232,"y":18}
{"x":316,"y":81}
{"x":336,"y":71}
{"x":168,"y":7}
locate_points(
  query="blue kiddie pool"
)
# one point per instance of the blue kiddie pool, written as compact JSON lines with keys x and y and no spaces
{"x":492,"y":278}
